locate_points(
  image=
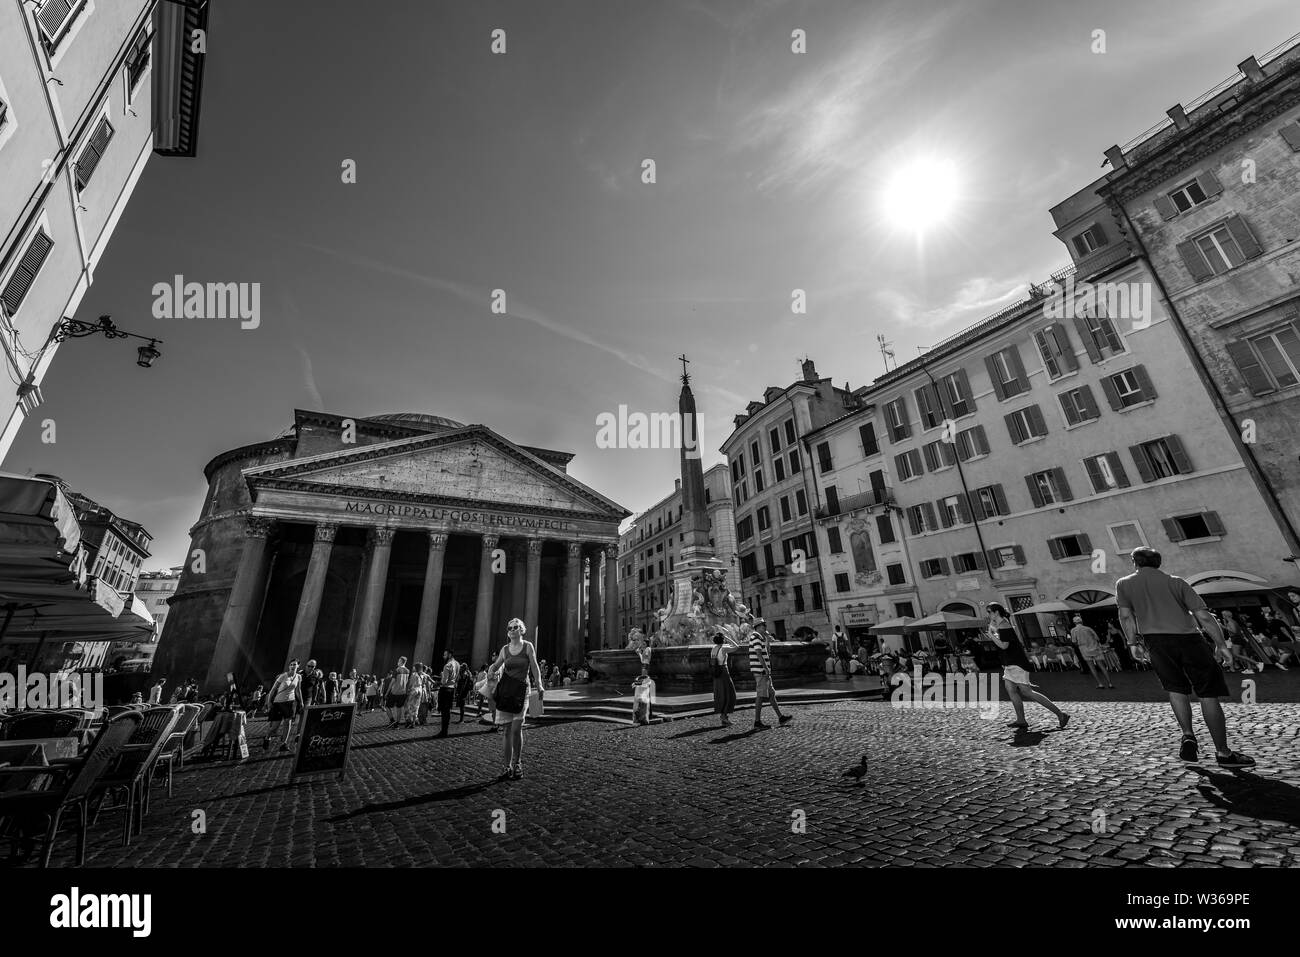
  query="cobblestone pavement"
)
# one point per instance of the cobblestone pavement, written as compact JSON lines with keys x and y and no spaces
{"x":940,"y":787}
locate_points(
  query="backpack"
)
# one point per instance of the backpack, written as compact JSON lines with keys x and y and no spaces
{"x":464,"y":682}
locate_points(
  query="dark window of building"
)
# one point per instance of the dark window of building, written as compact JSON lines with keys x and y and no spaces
{"x":1198,"y":525}
{"x":842,"y":582}
{"x":833,"y":538}
{"x":885,"y":528}
{"x":895,"y":573}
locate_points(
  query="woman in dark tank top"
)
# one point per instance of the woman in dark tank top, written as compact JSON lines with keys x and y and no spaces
{"x":1015,"y":669}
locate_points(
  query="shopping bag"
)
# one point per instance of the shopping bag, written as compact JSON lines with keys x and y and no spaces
{"x":243,"y":745}
{"x":535,"y":707}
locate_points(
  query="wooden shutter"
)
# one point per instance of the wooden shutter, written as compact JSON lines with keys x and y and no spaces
{"x":1081,"y":327}
{"x":52,"y":15}
{"x":980,"y":561}
{"x":967,"y":393}
{"x":1165,"y":207}
{"x":1089,"y":403}
{"x":914,"y":519}
{"x":1245,"y":239}
{"x":1054,"y":546}
{"x":15,"y":291}
{"x":1018,"y":367}
{"x":94,"y":151}
{"x":878,"y":485}
{"x":931,"y":455}
{"x":1079,"y":246}
{"x":1112,"y":394}
{"x":901,"y":405}
{"x":868,"y":434}
{"x":981,"y":440}
{"x":1248,"y":365}
{"x":998,"y":390}
{"x":1100,"y":234}
{"x":1140,"y":460}
{"x":943,"y":566}
{"x":1019,"y":554}
{"x":1094,"y":475}
{"x":1209,"y":184}
{"x":944,"y":520}
{"x":1183,"y":463}
{"x":1144,"y":380}
{"x":1057,"y":336}
{"x":1212,"y":523}
{"x":1067,"y":406}
{"x":1194,"y":261}
{"x":963,"y":510}
{"x":900,"y":467}
{"x":1117,"y":468}
{"x":914,"y":460}
{"x":1062,"y":485}
{"x":947,"y":454}
{"x":1291,"y":133}
{"x":1037,"y":425}
{"x":924,"y":404}
{"x":930,"y":520}
{"x":1085,"y":543}
{"x":1034,"y":495}
{"x":1013,"y":427}
{"x":994,"y":558}
{"x":1000,"y":499}
{"x":1172,"y":529}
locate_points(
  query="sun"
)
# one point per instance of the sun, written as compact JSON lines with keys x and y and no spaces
{"x":921,"y":194}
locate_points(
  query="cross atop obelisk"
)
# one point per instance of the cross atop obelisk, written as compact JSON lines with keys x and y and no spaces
{"x":686,"y":377}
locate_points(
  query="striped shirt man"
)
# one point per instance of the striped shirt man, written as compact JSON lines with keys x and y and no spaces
{"x":758,"y":661}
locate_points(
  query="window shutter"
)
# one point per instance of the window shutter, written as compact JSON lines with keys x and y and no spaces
{"x":1245,"y":239}
{"x":1081,"y":327}
{"x":1037,"y":426}
{"x":924,"y":404}
{"x":943,"y":566}
{"x":1079,"y":246}
{"x":980,"y":561}
{"x":1062,"y":485}
{"x":1100,"y":234}
{"x":931,"y":456}
{"x":1165,"y":207}
{"x":1176,"y":449}
{"x":994,"y":559}
{"x":1017,"y":366}
{"x":94,"y":151}
{"x":1034,"y":495}
{"x":946,"y":453}
{"x":868,"y":434}
{"x":930,"y":521}
{"x":1291,"y":133}
{"x":25,"y":274}
{"x":1140,"y":460}
{"x":944,"y":518}
{"x":1019,"y":553}
{"x":964,"y":380}
{"x":1248,"y":365}
{"x":1067,"y":406}
{"x":52,"y":15}
{"x":1194,"y":261}
{"x":981,"y":440}
{"x":1112,"y":394}
{"x":1209,"y":184}
{"x":1212,"y":523}
{"x":1054,"y":546}
{"x":1000,"y":499}
{"x":1089,"y":403}
{"x":1172,"y":529}
{"x":1085,"y":543}
{"x":1144,"y":380}
{"x":1013,"y":427}
{"x":963,"y":510}
{"x":900,"y":467}
{"x":993,"y":377}
{"x":914,"y":520}
{"x":1060,"y":338}
{"x":1094,"y":475}
{"x":1117,"y":468}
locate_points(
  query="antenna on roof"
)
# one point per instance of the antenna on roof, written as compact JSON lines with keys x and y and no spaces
{"x":886,"y":352}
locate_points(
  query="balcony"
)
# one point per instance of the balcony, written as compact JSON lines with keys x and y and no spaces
{"x":874,"y":498}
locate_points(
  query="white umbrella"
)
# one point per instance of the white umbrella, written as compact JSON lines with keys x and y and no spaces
{"x":1051,"y":607}
{"x":1223,"y":586}
{"x":894,"y":626}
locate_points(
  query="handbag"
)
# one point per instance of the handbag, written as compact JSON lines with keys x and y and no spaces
{"x":535,"y":706}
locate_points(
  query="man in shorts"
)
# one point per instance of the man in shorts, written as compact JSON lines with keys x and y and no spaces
{"x":760,"y":666}
{"x":1165,"y":610}
{"x":398,"y":685}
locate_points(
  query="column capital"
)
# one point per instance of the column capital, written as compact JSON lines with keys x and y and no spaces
{"x":611,"y":552}
{"x":325,"y":532}
{"x":382,"y":535}
{"x":535,"y":546}
{"x":258,"y":526}
{"x":575,"y":551}
{"x":490,"y":541}
{"x":437,"y":538}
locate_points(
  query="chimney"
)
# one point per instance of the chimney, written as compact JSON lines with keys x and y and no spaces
{"x":1179,"y":116}
{"x":1115,"y":156}
{"x":1250,"y":67}
{"x":677,"y":485}
{"x":809,"y":371}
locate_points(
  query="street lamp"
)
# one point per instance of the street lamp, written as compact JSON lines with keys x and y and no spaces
{"x":76,"y":329}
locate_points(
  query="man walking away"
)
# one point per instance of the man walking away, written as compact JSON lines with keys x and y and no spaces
{"x":398,"y":685}
{"x":447,"y":690}
{"x":1165,"y":610}
{"x":760,"y":666}
{"x":1091,"y":650}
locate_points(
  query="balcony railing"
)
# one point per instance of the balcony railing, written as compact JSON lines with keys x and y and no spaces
{"x":853,"y":503}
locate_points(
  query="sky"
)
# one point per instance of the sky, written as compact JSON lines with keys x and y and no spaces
{"x":523,"y":171}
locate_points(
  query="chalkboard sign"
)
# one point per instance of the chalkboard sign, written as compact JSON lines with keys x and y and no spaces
{"x":326,"y":740}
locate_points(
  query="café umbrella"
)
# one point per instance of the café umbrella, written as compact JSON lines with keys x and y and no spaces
{"x":1224,"y":586}
{"x":893,"y":626}
{"x":946,"y":621}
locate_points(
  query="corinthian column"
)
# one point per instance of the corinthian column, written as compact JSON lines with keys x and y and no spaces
{"x":313,"y":587}
{"x":612,"y":637}
{"x":372,"y":602}
{"x":483,"y":607}
{"x":426,"y":633}
{"x":532,"y":588}
{"x":594,"y":607}
{"x":244,"y":607}
{"x":571,"y":641}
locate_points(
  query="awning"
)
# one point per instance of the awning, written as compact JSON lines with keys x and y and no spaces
{"x":943,"y":620}
{"x":1104,"y":603}
{"x":1051,"y":607}
{"x":1224,"y":586}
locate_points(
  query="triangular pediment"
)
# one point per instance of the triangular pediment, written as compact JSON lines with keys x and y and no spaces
{"x":468,"y":465}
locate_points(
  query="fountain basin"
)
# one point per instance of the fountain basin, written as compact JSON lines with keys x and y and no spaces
{"x":690,"y":668}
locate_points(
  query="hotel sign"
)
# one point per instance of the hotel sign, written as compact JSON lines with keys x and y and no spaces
{"x":459,"y":516}
{"x":859,"y":617}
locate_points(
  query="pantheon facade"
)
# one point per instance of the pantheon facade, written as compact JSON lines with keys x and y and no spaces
{"x":357,"y":540}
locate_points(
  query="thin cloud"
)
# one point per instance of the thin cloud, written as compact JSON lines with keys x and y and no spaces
{"x":974,"y":299}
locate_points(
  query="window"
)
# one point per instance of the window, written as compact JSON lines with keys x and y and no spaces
{"x":934,"y":567}
{"x":748,"y":565}
{"x":794,"y":461}
{"x":1188,"y":195}
{"x":895,"y":575}
{"x":908,"y":465}
{"x":833,"y":540}
{"x":1128,"y":388}
{"x":1270,"y":361}
{"x":94,"y":152}
{"x":841,"y":582}
{"x":1220,"y":248}
{"x":661,"y":569}
{"x":780,"y":629}
{"x":967,"y":562}
{"x":785,"y":508}
{"x":764,"y":519}
{"x":1056,"y":352}
{"x":1048,"y":488}
{"x":928,"y":407}
{"x":953,"y":511}
{"x":816,"y":595}
{"x":1090,"y":240}
{"x":801,"y":502}
{"x":138,"y":60}
{"x":972,"y":443}
{"x":29,"y":264}
{"x":778,"y":469}
{"x":4,"y":114}
{"x":745,"y":529}
{"x":1194,"y":527}
{"x":832,"y":500}
{"x":759,"y":485}
{"x":1007,"y":373}
{"x":939,"y":455}
{"x":798,"y":597}
{"x":789,"y":432}
{"x":954,"y":392}
{"x":55,"y":18}
{"x":921,"y":518}
{"x":896,"y":420}
{"x":753,"y":452}
{"x":1126,"y":536}
{"x":1006,"y":556}
{"x":774,"y":440}
{"x":990,"y":500}
{"x":1099,"y":337}
{"x":868,"y":435}
{"x":1079,"y":405}
{"x":1075,"y":545}
{"x":885,"y":529}
{"x":824,"y":457}
{"x":1025,"y":424}
{"x":1161,"y":458}
{"x":1106,"y":472}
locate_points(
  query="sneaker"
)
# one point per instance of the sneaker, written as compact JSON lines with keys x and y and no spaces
{"x":1235,"y":759}
{"x":506,"y":775}
{"x":760,"y":724}
{"x":1187,"y":750}
{"x":1248,"y":671}
{"x":785,"y":719}
{"x":517,"y":774}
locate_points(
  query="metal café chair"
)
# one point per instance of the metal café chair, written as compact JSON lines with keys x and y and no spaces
{"x":41,"y":724}
{"x":134,"y":767}
{"x":173,"y":749}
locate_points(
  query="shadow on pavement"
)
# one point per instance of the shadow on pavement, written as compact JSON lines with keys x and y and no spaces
{"x":694,"y":731}
{"x":737,"y":736}
{"x":451,"y":794}
{"x":1251,"y":795}
{"x":1029,"y":739}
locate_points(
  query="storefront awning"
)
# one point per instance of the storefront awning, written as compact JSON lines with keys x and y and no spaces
{"x":944,"y":620}
{"x":1226,"y":586}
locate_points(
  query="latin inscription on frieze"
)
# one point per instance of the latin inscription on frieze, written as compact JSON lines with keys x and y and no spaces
{"x":458,"y":516}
